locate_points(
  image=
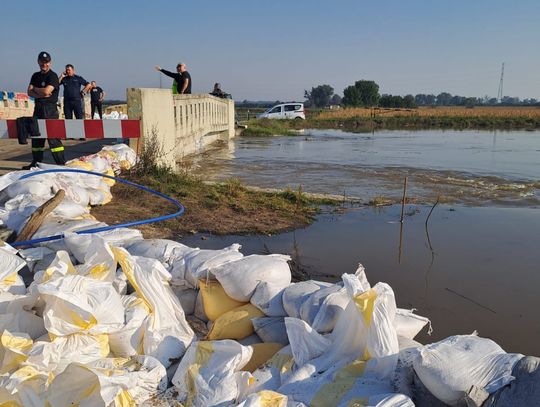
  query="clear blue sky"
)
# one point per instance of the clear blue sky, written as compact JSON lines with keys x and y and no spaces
{"x":268,"y":50}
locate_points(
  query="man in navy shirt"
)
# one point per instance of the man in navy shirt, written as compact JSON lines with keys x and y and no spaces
{"x":44,"y":88}
{"x":96,"y":98}
{"x":73,"y":94}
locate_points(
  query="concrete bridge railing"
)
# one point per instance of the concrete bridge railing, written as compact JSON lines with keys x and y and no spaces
{"x":184,"y":124}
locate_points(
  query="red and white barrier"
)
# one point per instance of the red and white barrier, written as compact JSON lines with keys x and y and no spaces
{"x":77,"y":129}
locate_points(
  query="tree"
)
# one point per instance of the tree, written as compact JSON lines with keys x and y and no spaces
{"x":336,"y":100}
{"x":409,"y":102}
{"x":319,"y":96}
{"x":363,"y":93}
{"x":444,"y":99}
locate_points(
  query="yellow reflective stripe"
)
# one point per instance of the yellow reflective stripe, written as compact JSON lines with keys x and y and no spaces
{"x":57,"y":149}
{"x":38,"y":148}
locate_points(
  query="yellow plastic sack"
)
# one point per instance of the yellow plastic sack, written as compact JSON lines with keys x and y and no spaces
{"x":215,"y":301}
{"x":14,"y":350}
{"x":262,"y":352}
{"x":235,"y":324}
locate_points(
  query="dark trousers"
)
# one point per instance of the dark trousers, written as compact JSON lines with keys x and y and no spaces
{"x":73,"y":106}
{"x":47,"y":111}
{"x":98,"y":106}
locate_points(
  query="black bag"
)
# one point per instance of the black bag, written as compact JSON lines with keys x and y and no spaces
{"x":27,"y":127}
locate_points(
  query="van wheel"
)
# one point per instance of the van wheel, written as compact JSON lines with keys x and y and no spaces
{"x":298,"y":118}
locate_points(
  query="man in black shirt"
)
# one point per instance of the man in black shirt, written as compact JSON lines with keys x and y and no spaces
{"x":96,"y":98}
{"x":44,"y":87}
{"x":73,"y":94}
{"x":182,"y":78}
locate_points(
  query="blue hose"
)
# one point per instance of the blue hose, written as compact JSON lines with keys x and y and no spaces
{"x":103,"y":228}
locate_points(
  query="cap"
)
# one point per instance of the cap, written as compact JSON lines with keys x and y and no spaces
{"x":44,"y":56}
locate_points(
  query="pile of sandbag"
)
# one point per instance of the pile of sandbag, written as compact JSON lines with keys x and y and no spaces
{"x":113,"y":319}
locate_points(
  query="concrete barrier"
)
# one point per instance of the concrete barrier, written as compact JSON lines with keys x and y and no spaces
{"x":183,"y":124}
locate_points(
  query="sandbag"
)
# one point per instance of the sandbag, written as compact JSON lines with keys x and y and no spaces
{"x":270,"y":375}
{"x":128,"y":340}
{"x":107,"y":382}
{"x":235,"y":324}
{"x":10,"y":264}
{"x":80,"y":304}
{"x":408,"y":324}
{"x":209,"y":373}
{"x":25,"y":387}
{"x":249,"y":340}
{"x":271,"y":329}
{"x":269,"y":299}
{"x":322,"y":309}
{"x":265,"y":398}
{"x":449,"y":368}
{"x":167,"y":333}
{"x":199,"y":308}
{"x":187,"y":298}
{"x":240,"y":278}
{"x":296,"y":294}
{"x":262,"y":353}
{"x":164,"y":250}
{"x":14,"y":348}
{"x":199,"y":263}
{"x":215,"y":300}
{"x":17,"y":314}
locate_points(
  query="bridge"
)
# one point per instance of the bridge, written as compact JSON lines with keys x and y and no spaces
{"x":182,"y":124}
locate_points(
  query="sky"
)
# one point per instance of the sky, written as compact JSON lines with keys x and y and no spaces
{"x":274,"y":50}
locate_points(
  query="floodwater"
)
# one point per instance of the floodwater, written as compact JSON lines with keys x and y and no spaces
{"x":475,"y":267}
{"x":476,"y":168}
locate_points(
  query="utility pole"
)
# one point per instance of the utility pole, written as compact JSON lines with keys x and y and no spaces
{"x":500,"y":93}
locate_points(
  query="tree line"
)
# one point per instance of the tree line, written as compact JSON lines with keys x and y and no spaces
{"x":365,"y":93}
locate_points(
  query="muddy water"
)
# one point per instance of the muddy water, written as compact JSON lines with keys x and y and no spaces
{"x":477,"y":268}
{"x":476,"y":168}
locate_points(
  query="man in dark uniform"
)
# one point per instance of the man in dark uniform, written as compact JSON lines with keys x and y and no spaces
{"x":73,"y":102}
{"x":44,"y":87}
{"x":182,"y":78}
{"x":96,"y":98}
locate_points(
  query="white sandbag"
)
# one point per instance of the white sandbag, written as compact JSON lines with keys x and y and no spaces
{"x":187,"y":298}
{"x":25,"y":387}
{"x":56,"y":355}
{"x":37,"y":185}
{"x":10,"y":264}
{"x":17,"y":314}
{"x":164,"y":250}
{"x":240,"y":278}
{"x":99,"y":261}
{"x":57,"y":226}
{"x":128,"y":340}
{"x":271,"y":329}
{"x":450,"y":367}
{"x":107,"y":383}
{"x":199,"y":263}
{"x":269,"y":299}
{"x":408,"y":324}
{"x":14,"y":348}
{"x":295,"y":295}
{"x":79,"y":304}
{"x":69,"y":209}
{"x":323,"y":308}
{"x":80,"y":244}
{"x":306,"y":343}
{"x":265,"y":398}
{"x":271,"y":375}
{"x":209,"y":373}
{"x":60,"y":266}
{"x":37,"y":258}
{"x":167,"y":333}
{"x":125,"y":155}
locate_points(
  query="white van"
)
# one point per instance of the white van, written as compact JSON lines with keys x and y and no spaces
{"x":292,"y":110}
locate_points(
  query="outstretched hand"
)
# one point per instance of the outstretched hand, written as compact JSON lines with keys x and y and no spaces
{"x":158,"y":68}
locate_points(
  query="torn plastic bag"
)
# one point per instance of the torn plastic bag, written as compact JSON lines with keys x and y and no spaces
{"x":209,"y":373}
{"x":80,"y":304}
{"x":449,"y":368}
{"x":128,"y":340}
{"x":167,"y":334}
{"x":199,"y":263}
{"x":108,"y":382}
{"x":99,"y":262}
{"x":56,"y":355}
{"x":271,"y":329}
{"x":240,"y":278}
{"x":269,"y":299}
{"x":265,"y":398}
{"x":296,"y":294}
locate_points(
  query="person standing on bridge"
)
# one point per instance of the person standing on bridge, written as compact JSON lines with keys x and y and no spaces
{"x":44,"y":87}
{"x":182,"y":78}
{"x":96,"y":98}
{"x":73,"y":95}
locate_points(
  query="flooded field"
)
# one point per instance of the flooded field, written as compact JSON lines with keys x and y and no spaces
{"x":477,"y":264}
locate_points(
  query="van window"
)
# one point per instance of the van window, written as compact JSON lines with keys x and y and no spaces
{"x":292,"y":108}
{"x":276,"y":109}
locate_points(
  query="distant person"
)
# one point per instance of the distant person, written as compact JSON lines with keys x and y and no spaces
{"x":44,"y":88}
{"x":217,"y":91}
{"x":182,"y":78}
{"x":96,"y":99}
{"x":73,"y":94}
